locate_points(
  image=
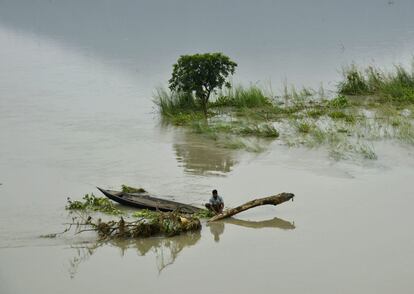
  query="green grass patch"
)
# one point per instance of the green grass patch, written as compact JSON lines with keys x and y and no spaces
{"x":339,"y":102}
{"x":315,"y":113}
{"x":265,"y":113}
{"x":184,"y":119}
{"x":303,"y":127}
{"x":172,"y":103}
{"x":146,"y":214}
{"x":204,"y":213}
{"x":340,"y":115}
{"x":396,"y":86}
{"x":354,"y":83}
{"x":240,"y":97}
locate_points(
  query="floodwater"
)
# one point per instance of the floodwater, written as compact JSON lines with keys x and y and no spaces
{"x":76,"y":80}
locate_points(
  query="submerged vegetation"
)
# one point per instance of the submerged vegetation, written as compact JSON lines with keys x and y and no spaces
{"x":370,"y":105}
{"x":160,"y":223}
{"x":92,"y":203}
{"x":171,"y":104}
{"x":140,"y":223}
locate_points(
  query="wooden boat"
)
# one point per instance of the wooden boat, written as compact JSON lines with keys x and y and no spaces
{"x":145,"y":201}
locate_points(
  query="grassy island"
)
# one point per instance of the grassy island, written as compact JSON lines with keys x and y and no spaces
{"x":369,"y":105}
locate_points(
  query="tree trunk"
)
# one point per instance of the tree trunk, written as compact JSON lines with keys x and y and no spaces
{"x":271,"y":200}
{"x":204,"y":102}
{"x":205,"y":108}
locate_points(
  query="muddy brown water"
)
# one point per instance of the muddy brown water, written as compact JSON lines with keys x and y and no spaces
{"x":76,"y":80}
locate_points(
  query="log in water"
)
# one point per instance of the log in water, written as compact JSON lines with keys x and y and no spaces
{"x":271,"y":200}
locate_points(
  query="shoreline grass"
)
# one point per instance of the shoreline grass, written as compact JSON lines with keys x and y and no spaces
{"x":370,"y":105}
{"x":240,"y":97}
{"x":172,"y":103}
{"x":395,"y":86}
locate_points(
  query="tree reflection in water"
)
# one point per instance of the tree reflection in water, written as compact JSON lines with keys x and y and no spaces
{"x":166,"y":250}
{"x":201,"y":156}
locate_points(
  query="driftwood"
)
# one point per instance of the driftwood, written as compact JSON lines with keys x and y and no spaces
{"x":271,"y":200}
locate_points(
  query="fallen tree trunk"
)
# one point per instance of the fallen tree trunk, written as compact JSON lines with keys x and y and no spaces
{"x":271,"y":200}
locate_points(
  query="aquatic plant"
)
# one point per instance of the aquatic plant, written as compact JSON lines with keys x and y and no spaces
{"x":146,"y":213}
{"x":92,"y":203}
{"x":232,"y":142}
{"x":257,"y":130}
{"x":261,"y":130}
{"x":396,"y":86}
{"x":367,"y":151}
{"x":370,"y":105}
{"x":174,"y":103}
{"x":204,"y":213}
{"x":240,"y":97}
{"x":162,"y":223}
{"x":184,"y":119}
{"x":297,"y":98}
{"x":129,"y":189}
{"x":342,"y":115}
{"x":339,"y":102}
{"x":303,"y":127}
{"x":348,"y":150}
{"x":354,"y":82}
{"x":265,"y":113}
{"x":404,"y":131}
{"x":315,"y":113}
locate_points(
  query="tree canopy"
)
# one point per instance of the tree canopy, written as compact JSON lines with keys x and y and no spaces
{"x":201,"y":74}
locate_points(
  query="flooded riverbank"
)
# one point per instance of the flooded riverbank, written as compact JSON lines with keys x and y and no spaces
{"x":76,"y":83}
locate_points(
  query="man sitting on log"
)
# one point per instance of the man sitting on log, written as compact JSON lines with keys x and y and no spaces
{"x":216,"y":203}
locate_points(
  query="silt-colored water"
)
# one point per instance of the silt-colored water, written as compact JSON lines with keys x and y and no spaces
{"x":76,"y":80}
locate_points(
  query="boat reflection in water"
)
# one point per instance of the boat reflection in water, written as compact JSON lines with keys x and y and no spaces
{"x":167,"y":249}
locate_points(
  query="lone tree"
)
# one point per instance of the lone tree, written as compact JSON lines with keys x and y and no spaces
{"x":201,"y":74}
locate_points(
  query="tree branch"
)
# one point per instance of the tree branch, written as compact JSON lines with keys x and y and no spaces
{"x":271,"y":200}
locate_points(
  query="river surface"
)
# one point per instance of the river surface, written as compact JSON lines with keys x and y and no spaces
{"x":76,"y":81}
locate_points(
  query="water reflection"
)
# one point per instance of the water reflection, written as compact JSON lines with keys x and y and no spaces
{"x":200,"y":156}
{"x":217,"y":228}
{"x":271,"y":223}
{"x":166,"y":250}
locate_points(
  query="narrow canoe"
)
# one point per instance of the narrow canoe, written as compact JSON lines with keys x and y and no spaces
{"x":145,"y":201}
